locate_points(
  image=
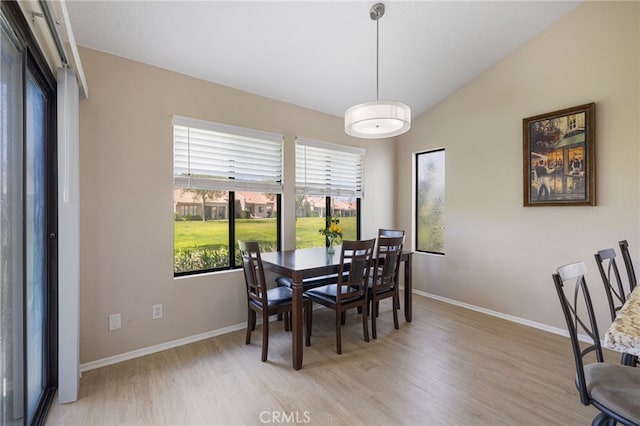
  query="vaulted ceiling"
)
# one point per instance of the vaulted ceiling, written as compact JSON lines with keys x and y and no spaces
{"x":319,"y":55}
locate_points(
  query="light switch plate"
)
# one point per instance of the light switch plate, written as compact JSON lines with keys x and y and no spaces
{"x":114,"y":322}
{"x":157,"y":311}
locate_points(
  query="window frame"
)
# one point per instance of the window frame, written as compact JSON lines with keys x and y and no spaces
{"x":235,"y":184}
{"x":319,"y":155}
{"x":417,"y":207}
{"x":35,"y":67}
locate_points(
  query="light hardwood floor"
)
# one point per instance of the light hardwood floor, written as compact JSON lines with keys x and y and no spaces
{"x":450,"y":366}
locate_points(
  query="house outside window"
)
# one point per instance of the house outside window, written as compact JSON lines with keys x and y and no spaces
{"x":227,"y":186}
{"x":329,"y":183}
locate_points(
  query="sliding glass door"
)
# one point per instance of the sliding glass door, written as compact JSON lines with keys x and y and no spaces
{"x":11,"y":225}
{"x":36,"y":244}
{"x":28,"y":222}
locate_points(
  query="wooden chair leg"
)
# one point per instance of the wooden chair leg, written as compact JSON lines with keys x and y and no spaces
{"x":253,"y":320}
{"x":374,"y":315}
{"x":307,"y":321}
{"x":343,"y":318}
{"x":365,"y":325}
{"x":265,"y":337}
{"x":338,"y":328}
{"x":287,"y":321}
{"x":395,"y":312}
{"x":251,"y":317}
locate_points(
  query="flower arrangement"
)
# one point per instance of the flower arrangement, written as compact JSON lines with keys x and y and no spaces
{"x":333,"y":232}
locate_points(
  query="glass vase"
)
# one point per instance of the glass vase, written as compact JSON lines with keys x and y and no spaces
{"x":331,"y":249}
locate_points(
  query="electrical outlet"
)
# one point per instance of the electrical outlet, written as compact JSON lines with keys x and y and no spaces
{"x":114,"y":322}
{"x":157,"y":311}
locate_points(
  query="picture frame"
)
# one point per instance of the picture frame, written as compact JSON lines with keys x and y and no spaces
{"x":559,"y":158}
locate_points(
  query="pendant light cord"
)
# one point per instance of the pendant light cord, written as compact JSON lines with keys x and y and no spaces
{"x":378,"y":57}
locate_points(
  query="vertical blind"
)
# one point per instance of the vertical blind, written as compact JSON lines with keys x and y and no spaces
{"x":219,"y":157}
{"x":328,"y":169}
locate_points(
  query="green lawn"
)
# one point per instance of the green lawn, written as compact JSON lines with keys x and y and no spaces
{"x":213,"y":234}
{"x":204,"y":245}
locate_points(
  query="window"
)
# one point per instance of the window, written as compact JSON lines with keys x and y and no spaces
{"x":28,"y":225}
{"x":227,"y":186}
{"x":430,"y":201}
{"x":329,"y":182}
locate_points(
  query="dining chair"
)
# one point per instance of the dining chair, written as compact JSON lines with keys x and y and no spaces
{"x":611,"y":388}
{"x":350,"y":290}
{"x":264,"y":301}
{"x":614,"y":289}
{"x":383,"y":284}
{"x":392,"y":233}
{"x":616,"y":296}
{"x":629,"y":359}
{"x":624,"y":250}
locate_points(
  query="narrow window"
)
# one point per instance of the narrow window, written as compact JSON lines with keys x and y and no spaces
{"x":430,"y":201}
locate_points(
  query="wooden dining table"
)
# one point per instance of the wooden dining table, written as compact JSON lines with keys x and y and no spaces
{"x":624,"y":333}
{"x":306,"y":263}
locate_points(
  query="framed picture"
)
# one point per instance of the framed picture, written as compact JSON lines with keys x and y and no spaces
{"x":559,"y":158}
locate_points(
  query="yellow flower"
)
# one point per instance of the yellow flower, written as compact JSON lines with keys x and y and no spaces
{"x":334,"y":230}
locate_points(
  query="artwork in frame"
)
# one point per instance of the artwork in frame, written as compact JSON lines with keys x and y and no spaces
{"x":559,"y":158}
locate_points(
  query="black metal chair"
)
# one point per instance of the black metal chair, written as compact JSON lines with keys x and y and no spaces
{"x":611,"y":388}
{"x":350,"y":291}
{"x":265,"y":301}
{"x":614,"y":289}
{"x":631,"y":273}
{"x":606,"y":261}
{"x":384,"y":284}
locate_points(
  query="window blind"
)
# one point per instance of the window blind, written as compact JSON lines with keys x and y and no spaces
{"x":328,"y":169}
{"x":220,"y":157}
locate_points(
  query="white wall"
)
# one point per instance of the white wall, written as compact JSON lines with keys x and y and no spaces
{"x":500,"y":255}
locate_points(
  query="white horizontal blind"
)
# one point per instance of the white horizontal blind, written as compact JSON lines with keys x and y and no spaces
{"x":329,"y":169}
{"x":219,"y":157}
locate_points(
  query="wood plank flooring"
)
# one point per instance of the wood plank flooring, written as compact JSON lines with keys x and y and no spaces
{"x":450,"y":366}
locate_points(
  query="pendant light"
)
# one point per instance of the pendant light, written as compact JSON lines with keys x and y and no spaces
{"x":378,"y":119}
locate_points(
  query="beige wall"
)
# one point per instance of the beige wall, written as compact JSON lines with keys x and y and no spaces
{"x":500,"y":255}
{"x":126,"y":200}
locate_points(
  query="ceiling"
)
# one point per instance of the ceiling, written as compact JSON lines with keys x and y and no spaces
{"x":319,"y":55}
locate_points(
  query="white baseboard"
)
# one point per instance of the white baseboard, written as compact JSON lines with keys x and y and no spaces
{"x":213,"y":333}
{"x":160,"y":347}
{"x":528,"y":323}
{"x":507,"y":317}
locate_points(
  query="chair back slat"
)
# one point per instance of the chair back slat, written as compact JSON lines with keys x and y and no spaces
{"x":626,"y":256}
{"x":579,"y":316}
{"x":253,"y":272}
{"x":606,"y":261}
{"x":387,"y":263}
{"x":356,"y":258}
